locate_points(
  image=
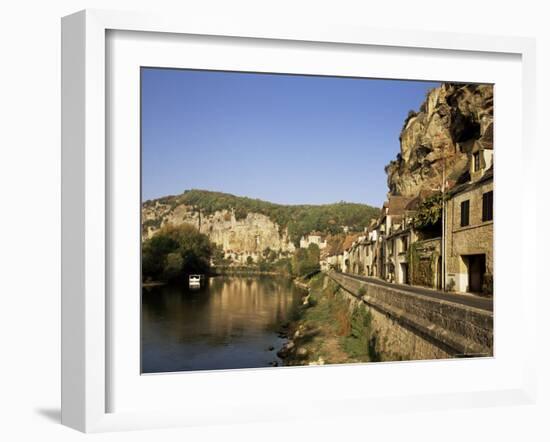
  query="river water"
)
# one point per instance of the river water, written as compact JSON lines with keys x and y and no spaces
{"x":231,"y":322}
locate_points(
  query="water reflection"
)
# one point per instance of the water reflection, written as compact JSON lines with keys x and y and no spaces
{"x":232,"y":322}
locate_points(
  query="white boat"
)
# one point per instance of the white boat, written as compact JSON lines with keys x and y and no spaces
{"x":195,"y":281}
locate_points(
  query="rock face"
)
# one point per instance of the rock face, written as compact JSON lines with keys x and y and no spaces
{"x":238,"y":238}
{"x":438,"y":138}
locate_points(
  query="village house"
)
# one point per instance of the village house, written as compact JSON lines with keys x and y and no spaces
{"x":370,"y":250}
{"x":398,"y":243}
{"x":382,"y":251}
{"x":357,"y":256}
{"x":340,"y":261}
{"x":313,"y":238}
{"x":375,"y":246}
{"x":392,"y":250}
{"x":469,"y":227}
{"x":424,"y":260}
{"x":332,"y":262}
{"x":345,"y":262}
{"x":379,"y":249}
{"x":386,"y":249}
{"x":398,"y":236}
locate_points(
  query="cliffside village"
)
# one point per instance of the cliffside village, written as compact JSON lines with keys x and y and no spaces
{"x":445,"y":148}
{"x":456,"y":258}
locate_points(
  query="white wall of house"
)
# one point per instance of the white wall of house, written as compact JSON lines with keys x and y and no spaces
{"x":312,"y":239}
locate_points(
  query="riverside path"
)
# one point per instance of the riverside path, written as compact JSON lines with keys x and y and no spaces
{"x":457,"y":298}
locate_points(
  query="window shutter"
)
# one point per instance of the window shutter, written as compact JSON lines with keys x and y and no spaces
{"x":464,"y":213}
{"x":488,"y":206}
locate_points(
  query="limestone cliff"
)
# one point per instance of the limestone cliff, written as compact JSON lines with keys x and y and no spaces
{"x":239,"y":238}
{"x":436,"y":140}
{"x":246,"y":227}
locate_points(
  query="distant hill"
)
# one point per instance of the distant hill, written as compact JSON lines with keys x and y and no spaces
{"x":294,"y":220}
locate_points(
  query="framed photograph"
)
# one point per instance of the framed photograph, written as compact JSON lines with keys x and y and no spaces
{"x":264,"y":222}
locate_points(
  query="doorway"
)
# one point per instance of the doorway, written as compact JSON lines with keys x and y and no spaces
{"x":476,"y":269}
{"x":404,"y":273}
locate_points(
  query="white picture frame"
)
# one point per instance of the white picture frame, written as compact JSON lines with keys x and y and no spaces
{"x":86,"y":315}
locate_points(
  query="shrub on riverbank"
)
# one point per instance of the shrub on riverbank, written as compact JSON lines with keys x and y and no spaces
{"x":306,"y":261}
{"x":175,"y":251}
{"x":361,"y":340}
{"x":303,"y":262}
{"x":332,"y":329}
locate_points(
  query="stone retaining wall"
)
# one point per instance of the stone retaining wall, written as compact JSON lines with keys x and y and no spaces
{"x":417,"y":327}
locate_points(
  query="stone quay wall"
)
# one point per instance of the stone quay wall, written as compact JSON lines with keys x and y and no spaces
{"x":412,"y":326}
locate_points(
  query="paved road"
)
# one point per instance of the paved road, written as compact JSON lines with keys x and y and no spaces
{"x":469,"y":300}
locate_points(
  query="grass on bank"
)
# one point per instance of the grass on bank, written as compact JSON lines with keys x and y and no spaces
{"x":334,"y":329}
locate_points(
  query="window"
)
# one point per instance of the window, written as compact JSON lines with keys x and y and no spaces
{"x":487,"y":214}
{"x":477,"y":161}
{"x":404,"y":244}
{"x":464,"y":213}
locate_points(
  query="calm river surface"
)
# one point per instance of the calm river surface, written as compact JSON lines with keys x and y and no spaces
{"x":232,"y":322}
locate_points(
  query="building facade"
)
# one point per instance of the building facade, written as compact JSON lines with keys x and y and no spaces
{"x":456,"y":258}
{"x":316,"y":239}
{"x":425,"y":263}
{"x":398,"y":245}
{"x":469,"y":237}
{"x":469,"y":228}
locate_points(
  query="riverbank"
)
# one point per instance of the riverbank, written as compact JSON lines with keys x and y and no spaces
{"x":328,"y":328}
{"x":244,"y":271}
{"x":152,"y":284}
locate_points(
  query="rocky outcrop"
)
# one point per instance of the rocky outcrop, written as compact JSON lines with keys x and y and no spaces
{"x":436,"y":140}
{"x":239,"y":238}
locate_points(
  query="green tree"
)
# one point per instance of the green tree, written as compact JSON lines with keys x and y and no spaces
{"x":306,"y":261}
{"x":175,"y":251}
{"x":154,"y":252}
{"x":173,"y":266}
{"x":269,"y":255}
{"x":428,"y":215}
{"x":218,"y":256}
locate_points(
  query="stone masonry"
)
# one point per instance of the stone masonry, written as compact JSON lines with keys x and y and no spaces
{"x":415,"y":327}
{"x":474,"y":239}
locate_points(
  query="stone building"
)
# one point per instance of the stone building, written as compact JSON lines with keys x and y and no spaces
{"x":366,"y":254}
{"x":382,"y":251}
{"x":425,"y":263}
{"x":357,"y":256}
{"x":397,"y":254}
{"x":447,"y":144}
{"x":469,"y":228}
{"x":313,"y":238}
{"x":397,"y":237}
{"x":371,"y":245}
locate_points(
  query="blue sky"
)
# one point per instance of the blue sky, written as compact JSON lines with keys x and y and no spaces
{"x":281,"y":138}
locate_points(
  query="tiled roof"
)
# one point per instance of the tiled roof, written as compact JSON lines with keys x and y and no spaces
{"x":349,"y":240}
{"x":487,"y":176}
